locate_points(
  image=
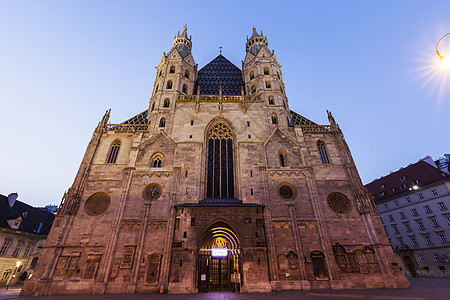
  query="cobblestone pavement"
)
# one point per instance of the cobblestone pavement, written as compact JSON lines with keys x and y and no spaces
{"x":422,"y":288}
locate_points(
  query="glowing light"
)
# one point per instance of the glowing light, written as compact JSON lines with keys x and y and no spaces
{"x":219,"y":252}
{"x":415,"y":187}
{"x":445,"y":63}
{"x":18,"y":263}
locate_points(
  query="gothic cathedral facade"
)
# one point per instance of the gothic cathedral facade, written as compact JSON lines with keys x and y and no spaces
{"x":217,"y":186}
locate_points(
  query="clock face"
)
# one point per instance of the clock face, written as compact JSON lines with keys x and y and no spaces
{"x":152,"y":192}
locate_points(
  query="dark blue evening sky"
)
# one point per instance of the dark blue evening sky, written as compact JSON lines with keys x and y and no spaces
{"x":371,"y":63}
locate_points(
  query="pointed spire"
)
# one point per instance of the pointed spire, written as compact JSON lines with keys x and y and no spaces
{"x":182,"y":39}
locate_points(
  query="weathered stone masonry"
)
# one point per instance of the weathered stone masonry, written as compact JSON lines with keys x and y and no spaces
{"x":218,"y":185}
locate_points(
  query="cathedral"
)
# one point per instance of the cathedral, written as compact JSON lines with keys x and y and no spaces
{"x":217,"y":186}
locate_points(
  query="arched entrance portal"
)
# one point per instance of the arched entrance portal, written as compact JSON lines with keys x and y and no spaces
{"x":219,"y":259}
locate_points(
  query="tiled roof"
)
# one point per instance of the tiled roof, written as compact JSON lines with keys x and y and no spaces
{"x":219,"y":72}
{"x":31,"y":217}
{"x":182,"y":49}
{"x":138,"y":119}
{"x":298,"y":120}
{"x":403,"y":180}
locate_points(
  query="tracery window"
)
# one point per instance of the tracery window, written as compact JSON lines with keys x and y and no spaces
{"x":220,"y":180}
{"x":112,"y":156}
{"x":274,"y":119}
{"x":162,"y":122}
{"x":252,"y":75}
{"x":169,"y":84}
{"x":172,"y":69}
{"x":323,"y":153}
{"x":266,"y":71}
{"x":186,"y":74}
{"x":184,"y":90}
{"x":166,"y":102}
{"x":271,"y":102}
{"x":268,"y":86}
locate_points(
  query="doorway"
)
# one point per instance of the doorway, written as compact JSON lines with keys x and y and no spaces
{"x":219,"y":260}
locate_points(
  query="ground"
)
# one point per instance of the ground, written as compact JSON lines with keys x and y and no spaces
{"x":421,"y":288}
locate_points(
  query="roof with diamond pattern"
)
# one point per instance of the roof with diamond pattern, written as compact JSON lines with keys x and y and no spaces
{"x":220,"y":72}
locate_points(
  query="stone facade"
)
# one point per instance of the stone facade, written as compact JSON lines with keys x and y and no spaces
{"x":413,"y":204}
{"x":217,"y":186}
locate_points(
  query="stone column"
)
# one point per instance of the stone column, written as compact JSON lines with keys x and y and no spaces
{"x":167,"y":254}
{"x":106,"y":267}
{"x":298,"y":244}
{"x":273,"y":266}
{"x":324,"y":240}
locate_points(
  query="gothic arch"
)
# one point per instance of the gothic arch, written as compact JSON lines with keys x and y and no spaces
{"x":220,"y":159}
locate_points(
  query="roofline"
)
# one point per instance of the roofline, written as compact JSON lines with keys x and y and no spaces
{"x":411,"y":191}
{"x":15,"y":231}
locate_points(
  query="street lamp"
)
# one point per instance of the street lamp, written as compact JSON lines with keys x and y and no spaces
{"x":12,"y":277}
{"x":445,"y":62}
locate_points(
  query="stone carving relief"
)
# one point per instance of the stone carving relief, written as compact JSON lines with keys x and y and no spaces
{"x":91,"y":266}
{"x":288,"y":266}
{"x":358,"y":261}
{"x":152,"y":272}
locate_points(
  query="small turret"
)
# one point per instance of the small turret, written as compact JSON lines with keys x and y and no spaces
{"x":256,"y":42}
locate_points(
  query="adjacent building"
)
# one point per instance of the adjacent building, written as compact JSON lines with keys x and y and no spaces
{"x":414,"y":204}
{"x":23,"y":230}
{"x":218,"y":185}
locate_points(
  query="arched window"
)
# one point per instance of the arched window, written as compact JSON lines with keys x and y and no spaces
{"x":252,"y":75}
{"x":157,"y":161}
{"x":282,"y":158}
{"x":186,"y":73}
{"x":220,"y":179}
{"x":169,"y":84}
{"x":253,"y":89}
{"x":184,"y":90}
{"x":323,"y":153}
{"x":166,"y":102}
{"x":274,"y":119}
{"x":112,"y":156}
{"x":268,"y":85}
{"x":172,"y":69}
{"x":266,"y":71}
{"x":162,"y":122}
{"x":153,"y":106}
{"x":271,"y":102}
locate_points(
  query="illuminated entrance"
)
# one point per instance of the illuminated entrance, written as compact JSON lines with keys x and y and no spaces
{"x":219,"y":259}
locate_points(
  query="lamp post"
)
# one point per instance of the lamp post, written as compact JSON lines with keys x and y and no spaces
{"x":445,"y":63}
{"x":12,"y":276}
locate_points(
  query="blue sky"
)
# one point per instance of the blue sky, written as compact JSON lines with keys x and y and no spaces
{"x":371,"y":63}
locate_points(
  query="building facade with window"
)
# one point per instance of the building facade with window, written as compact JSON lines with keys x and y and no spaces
{"x":413,"y":204}
{"x":23,"y":230}
{"x":217,"y":186}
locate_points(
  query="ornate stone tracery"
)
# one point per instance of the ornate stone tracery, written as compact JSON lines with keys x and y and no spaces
{"x":97,"y":203}
{"x":339,"y":203}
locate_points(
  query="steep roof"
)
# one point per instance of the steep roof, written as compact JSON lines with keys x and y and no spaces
{"x":219,"y":72}
{"x":138,"y":119}
{"x":31,"y":217}
{"x":298,"y":120}
{"x":403,"y":180}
